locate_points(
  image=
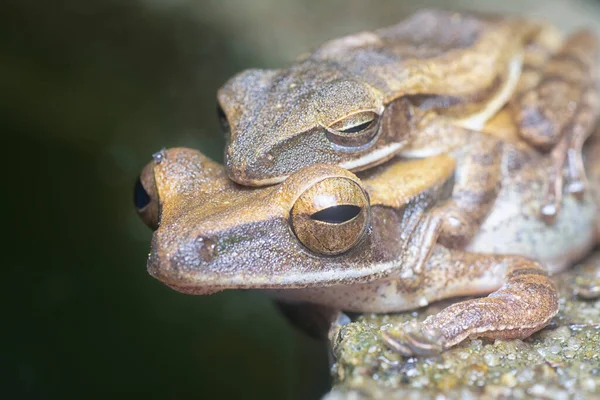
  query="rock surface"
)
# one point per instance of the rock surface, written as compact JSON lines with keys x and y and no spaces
{"x":561,"y":361}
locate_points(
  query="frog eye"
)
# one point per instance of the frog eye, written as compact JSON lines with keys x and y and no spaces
{"x":225,"y":128}
{"x":354,"y":130}
{"x":145,"y":197}
{"x":332,"y":216}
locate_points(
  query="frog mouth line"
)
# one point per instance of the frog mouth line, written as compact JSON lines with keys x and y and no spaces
{"x":195,"y":290}
{"x":324,"y":279}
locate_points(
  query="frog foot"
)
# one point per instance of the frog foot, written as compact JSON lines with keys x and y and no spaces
{"x":587,"y":287}
{"x":412,"y":339}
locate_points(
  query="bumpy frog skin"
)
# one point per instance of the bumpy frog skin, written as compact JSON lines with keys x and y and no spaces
{"x":367,"y":242}
{"x":415,"y":88}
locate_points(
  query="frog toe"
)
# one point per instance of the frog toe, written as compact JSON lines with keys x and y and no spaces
{"x":576,"y":181}
{"x":413,"y":340}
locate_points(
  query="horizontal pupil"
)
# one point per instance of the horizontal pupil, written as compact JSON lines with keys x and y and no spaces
{"x":337,"y":214}
{"x":357,"y":128}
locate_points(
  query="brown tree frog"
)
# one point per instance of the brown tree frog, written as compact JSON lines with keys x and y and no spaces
{"x":418,"y":88}
{"x":367,"y":242}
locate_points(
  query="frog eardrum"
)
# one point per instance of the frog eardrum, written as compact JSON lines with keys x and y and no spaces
{"x":332,"y":216}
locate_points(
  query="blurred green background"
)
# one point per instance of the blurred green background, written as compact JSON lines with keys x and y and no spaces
{"x":89,"y":90}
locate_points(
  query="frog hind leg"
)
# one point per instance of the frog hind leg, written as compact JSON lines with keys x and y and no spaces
{"x":559,"y":112}
{"x":522,"y":305}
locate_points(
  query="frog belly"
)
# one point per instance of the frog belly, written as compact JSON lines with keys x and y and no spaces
{"x":514,"y":227}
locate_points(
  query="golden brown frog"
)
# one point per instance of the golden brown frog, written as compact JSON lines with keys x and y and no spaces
{"x":367,"y":242}
{"x":418,"y":88}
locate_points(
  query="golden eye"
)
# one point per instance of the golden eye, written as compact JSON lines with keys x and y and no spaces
{"x":145,"y":197}
{"x":354,"y":130}
{"x":332,"y":216}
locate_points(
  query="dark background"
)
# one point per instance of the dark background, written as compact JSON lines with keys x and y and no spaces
{"x":89,"y":90}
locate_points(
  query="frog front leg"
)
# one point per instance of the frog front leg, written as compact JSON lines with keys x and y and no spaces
{"x":477,"y":183}
{"x":477,"y":178}
{"x":524,"y":301}
{"x":559,"y":113}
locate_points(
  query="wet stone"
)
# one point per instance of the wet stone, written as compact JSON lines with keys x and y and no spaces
{"x":561,"y":361}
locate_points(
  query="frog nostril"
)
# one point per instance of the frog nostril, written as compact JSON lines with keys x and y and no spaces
{"x":196,"y":253}
{"x":208,"y":249}
{"x":268,"y":160}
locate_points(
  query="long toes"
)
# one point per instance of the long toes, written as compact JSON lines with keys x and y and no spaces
{"x":553,"y":198}
{"x":552,"y":201}
{"x":413,"y":340}
{"x":575,"y":184}
{"x":576,"y":177}
{"x":587,"y":287}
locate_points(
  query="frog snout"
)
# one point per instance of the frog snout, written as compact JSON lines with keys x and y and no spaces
{"x":251,"y":170}
{"x":188,"y":268}
{"x":191,"y":257}
{"x":235,"y":171}
{"x":197,"y":252}
{"x":236,"y":165}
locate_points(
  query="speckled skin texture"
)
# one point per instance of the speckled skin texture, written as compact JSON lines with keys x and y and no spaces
{"x":434,"y":64}
{"x":412,"y":78}
{"x":214,"y":234}
{"x":437,"y":71}
{"x":460,"y":216}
